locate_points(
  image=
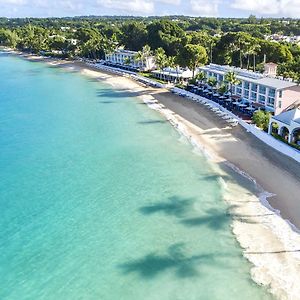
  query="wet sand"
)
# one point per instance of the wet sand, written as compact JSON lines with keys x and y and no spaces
{"x":274,"y":172}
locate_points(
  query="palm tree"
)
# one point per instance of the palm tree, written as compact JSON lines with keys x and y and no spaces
{"x":127,"y":61}
{"x":296,"y":78}
{"x":201,"y":77}
{"x":212,"y":81}
{"x":34,"y":38}
{"x":255,"y":50}
{"x":110,"y":45}
{"x":161,"y":59}
{"x":231,"y":79}
{"x":147,"y":51}
{"x":9,"y":38}
{"x":222,"y":89}
{"x":252,"y":48}
{"x":171,"y":63}
{"x":196,"y":55}
{"x":91,"y":47}
{"x":211,"y":46}
{"x":139,"y":57}
{"x":142,"y":55}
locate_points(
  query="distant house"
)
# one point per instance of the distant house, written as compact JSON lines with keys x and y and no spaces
{"x":73,"y":41}
{"x":126,"y":58}
{"x":65,"y":28}
{"x":261,"y":90}
{"x":283,"y":38}
{"x":270,"y":69}
{"x":287,"y":124}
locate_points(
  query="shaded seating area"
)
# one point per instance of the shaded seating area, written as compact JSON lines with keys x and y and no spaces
{"x":216,"y":108}
{"x":173,"y":74}
{"x":121,"y":66}
{"x":243,"y":108}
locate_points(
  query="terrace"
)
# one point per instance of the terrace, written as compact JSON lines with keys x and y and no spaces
{"x":239,"y":106}
{"x":173,"y":74}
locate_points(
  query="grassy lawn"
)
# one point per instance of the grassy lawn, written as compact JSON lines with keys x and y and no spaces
{"x":150,"y":76}
{"x":181,"y":86}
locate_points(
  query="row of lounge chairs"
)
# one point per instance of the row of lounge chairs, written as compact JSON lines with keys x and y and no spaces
{"x":216,"y":108}
{"x":105,"y":68}
{"x":145,"y":81}
{"x":126,"y":73}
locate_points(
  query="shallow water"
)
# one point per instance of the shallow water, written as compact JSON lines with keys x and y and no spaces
{"x":100,"y":198}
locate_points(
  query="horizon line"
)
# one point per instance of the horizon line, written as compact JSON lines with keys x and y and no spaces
{"x":150,"y":16}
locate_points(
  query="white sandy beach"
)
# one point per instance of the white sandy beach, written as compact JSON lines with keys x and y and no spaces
{"x":269,"y":242}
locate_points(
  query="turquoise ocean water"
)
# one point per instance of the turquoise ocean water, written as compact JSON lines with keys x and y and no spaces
{"x":100,"y":198}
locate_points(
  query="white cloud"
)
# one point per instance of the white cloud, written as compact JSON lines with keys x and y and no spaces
{"x":288,"y":8}
{"x":129,"y":6}
{"x":173,"y":2}
{"x":14,"y":2}
{"x":267,"y":6}
{"x":275,"y":8}
{"x":204,"y":7}
{"x":143,"y":7}
{"x":134,"y":7}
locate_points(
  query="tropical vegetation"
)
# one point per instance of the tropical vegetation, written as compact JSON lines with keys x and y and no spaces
{"x":190,"y":41}
{"x":261,"y":119}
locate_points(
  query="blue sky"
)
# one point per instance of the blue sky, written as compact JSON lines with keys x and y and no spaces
{"x":216,"y":8}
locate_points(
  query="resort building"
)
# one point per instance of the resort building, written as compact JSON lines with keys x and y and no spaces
{"x":283,"y":38}
{"x":173,"y":74}
{"x":126,"y":58}
{"x":261,"y":90}
{"x":287,"y":124}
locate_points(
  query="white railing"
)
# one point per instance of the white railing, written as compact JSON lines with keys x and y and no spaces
{"x":272,"y":142}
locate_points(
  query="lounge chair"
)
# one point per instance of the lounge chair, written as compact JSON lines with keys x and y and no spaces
{"x":232,"y":122}
{"x":226,"y":117}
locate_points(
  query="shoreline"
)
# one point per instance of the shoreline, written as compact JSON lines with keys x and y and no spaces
{"x":258,"y":227}
{"x":267,"y":240}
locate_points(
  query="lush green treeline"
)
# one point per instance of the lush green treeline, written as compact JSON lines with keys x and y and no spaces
{"x":252,"y":25}
{"x":238,"y":42}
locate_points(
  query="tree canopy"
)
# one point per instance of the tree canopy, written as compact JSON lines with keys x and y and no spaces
{"x":238,"y":42}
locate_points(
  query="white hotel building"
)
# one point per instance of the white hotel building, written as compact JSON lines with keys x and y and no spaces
{"x":120,"y":57}
{"x":259,"y":89}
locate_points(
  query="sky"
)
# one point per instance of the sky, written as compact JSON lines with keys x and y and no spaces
{"x":210,"y":8}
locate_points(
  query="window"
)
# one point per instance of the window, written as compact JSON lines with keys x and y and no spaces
{"x":221,"y":78}
{"x":272,"y":92}
{"x":239,"y":91}
{"x":254,"y":87}
{"x":280,"y":94}
{"x":246,"y":85}
{"x":253,"y":96}
{"x":261,"y":99}
{"x":279,"y":104}
{"x":271,"y":101}
{"x":262,"y":89}
{"x":246,"y":93}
